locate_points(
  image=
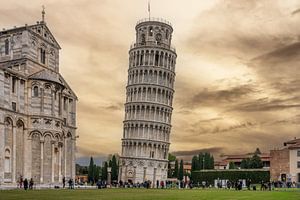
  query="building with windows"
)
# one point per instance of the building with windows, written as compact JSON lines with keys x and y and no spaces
{"x":236,"y":159}
{"x":285,"y":162}
{"x":148,"y":107}
{"x":37,"y":108}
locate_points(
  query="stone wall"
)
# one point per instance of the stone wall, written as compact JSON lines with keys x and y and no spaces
{"x":279,"y":163}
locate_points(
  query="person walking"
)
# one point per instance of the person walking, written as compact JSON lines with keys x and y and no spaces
{"x":25,"y":184}
{"x":31,"y":184}
{"x":64,"y":182}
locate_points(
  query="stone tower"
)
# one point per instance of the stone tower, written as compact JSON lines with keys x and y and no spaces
{"x":148,"y":107}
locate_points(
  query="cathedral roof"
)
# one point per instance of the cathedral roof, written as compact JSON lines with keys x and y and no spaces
{"x":47,"y":75}
{"x":40,"y":30}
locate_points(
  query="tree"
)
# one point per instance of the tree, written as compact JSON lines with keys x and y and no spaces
{"x":181,"y":172}
{"x":255,"y":162}
{"x":114,"y":168}
{"x":201,"y":161}
{"x":195,"y":163}
{"x":175,"y":175}
{"x":96,"y":172}
{"x":232,"y":165}
{"x":245,"y":164}
{"x":257,"y":151}
{"x":91,"y":170}
{"x":171,"y":158}
{"x":104,"y":171}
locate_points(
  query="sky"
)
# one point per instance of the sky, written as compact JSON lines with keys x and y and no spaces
{"x":237,"y":81}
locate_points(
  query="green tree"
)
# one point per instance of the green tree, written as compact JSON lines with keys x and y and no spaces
{"x":209,"y":160}
{"x":232,"y":165}
{"x":104,"y":171}
{"x":181,"y":171}
{"x":255,"y":162}
{"x":245,"y":164}
{"x":175,"y":175}
{"x":195,"y":163}
{"x":257,"y":151}
{"x":201,"y":161}
{"x":114,"y":168}
{"x":91,"y":171}
{"x":96,"y":173}
{"x":171,"y":159}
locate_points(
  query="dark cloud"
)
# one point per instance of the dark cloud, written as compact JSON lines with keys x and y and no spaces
{"x":266,"y":104}
{"x":187,"y":155}
{"x":197,"y":151}
{"x":296,"y":12}
{"x":219,"y":97}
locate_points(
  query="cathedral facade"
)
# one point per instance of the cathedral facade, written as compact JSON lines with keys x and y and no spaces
{"x":37,"y":108}
{"x":148,"y":107}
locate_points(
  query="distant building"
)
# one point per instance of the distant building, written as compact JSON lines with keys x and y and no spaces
{"x":237,"y":160}
{"x":37,"y":108}
{"x":285,"y":162}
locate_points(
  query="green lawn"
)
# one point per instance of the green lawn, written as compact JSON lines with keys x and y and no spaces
{"x":144,"y":194}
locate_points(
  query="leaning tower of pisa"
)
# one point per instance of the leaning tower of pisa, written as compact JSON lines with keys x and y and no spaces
{"x":148,"y":107}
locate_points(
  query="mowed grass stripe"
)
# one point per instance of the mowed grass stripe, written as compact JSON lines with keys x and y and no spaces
{"x":150,"y":194}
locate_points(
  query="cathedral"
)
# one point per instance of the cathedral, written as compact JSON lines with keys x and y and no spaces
{"x":148,"y":107}
{"x":37,"y":108}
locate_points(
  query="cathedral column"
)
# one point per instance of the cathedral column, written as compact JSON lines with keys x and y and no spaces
{"x":27,"y":152}
{"x":120,"y":172}
{"x":73,"y":158}
{"x":65,"y":157}
{"x":52,"y":160}
{"x":14,"y":155}
{"x":59,"y":160}
{"x":42,"y":162}
{"x":126,"y":173}
{"x":2,"y":145}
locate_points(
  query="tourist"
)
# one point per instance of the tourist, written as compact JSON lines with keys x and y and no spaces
{"x":31,"y":184}
{"x":64,"y":182}
{"x":21,"y":182}
{"x":70,"y":183}
{"x":25,"y":184}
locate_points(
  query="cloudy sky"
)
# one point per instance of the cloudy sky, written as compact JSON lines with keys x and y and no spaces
{"x":238,"y":78}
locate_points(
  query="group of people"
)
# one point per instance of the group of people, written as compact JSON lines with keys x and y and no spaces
{"x":70,"y":183}
{"x":24,"y":183}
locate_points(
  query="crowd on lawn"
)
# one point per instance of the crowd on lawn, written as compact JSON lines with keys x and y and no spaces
{"x":237,"y":185}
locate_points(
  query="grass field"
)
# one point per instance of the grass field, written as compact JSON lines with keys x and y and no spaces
{"x":144,"y":194}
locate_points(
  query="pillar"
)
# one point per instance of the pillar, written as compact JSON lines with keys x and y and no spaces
{"x":14,"y":154}
{"x":52,"y":161}
{"x":42,"y":162}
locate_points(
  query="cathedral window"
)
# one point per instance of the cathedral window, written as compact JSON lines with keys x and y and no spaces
{"x":43,"y":56}
{"x":13,"y":84}
{"x":6,"y":47}
{"x":35,"y":91}
{"x":14,"y":106}
{"x":65,"y":103}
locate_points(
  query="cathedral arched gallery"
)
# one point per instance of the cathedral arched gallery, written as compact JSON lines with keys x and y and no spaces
{"x":37,"y":108}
